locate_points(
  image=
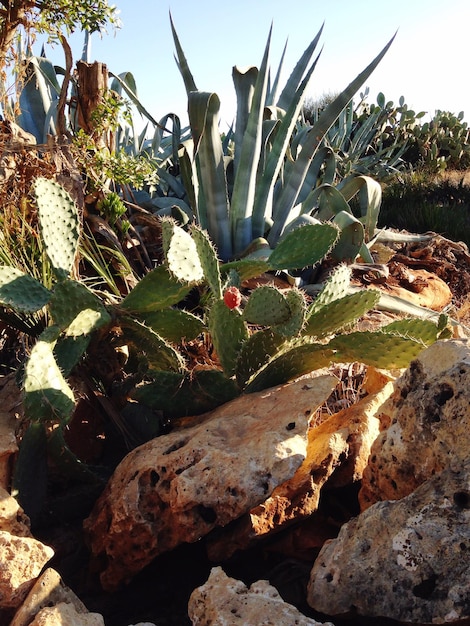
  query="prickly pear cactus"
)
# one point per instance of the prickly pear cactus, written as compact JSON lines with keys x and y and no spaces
{"x":425,"y":331}
{"x":293,"y":361}
{"x":59,"y":222}
{"x":297,"y":307}
{"x":303,"y":247}
{"x":379,"y":349}
{"x":334,"y":288}
{"x":181,"y":253}
{"x":267,"y":306}
{"x":159,"y":353}
{"x":228,"y":332}
{"x":208,"y":259}
{"x":155,"y":291}
{"x":47,"y":395}
{"x":20,"y":291}
{"x":254,"y":353}
{"x":338,"y":313}
{"x":76,"y":310}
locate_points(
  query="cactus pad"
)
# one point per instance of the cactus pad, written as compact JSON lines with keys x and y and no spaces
{"x":303,"y":247}
{"x":47,"y":397}
{"x":174,"y":324}
{"x":76,"y":310}
{"x":178,"y":395}
{"x":229,"y":332}
{"x":338,"y":313}
{"x":181,"y":253}
{"x":59,"y":221}
{"x":294,"y":325}
{"x":208,"y":259}
{"x":159,"y":354}
{"x":20,"y":291}
{"x":256,"y":352}
{"x":267,"y":306}
{"x":377,"y":348}
{"x":334,"y":288}
{"x":293,"y":362}
{"x":155,"y":291}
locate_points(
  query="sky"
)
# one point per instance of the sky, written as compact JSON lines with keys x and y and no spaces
{"x":428,"y":62}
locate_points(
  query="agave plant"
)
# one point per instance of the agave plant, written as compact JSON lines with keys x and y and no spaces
{"x":267,"y":182}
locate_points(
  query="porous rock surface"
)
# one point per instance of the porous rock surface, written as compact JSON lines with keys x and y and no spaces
{"x":21,"y":562}
{"x":429,"y":416}
{"x":224,"y":601}
{"x":407,"y":560}
{"x":47,"y":591}
{"x":12,"y":517}
{"x":64,"y":613}
{"x":178,"y":487}
{"x":337,"y":453}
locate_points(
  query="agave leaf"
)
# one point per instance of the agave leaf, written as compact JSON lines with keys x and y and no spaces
{"x":243,"y":194}
{"x":125,"y":81}
{"x":244,"y":81}
{"x":351,"y":238}
{"x":182,"y":62}
{"x":296,"y":78}
{"x":40,"y":90}
{"x":370,"y":198}
{"x":212,"y":200}
{"x":276,"y":156}
{"x":272,"y":96}
{"x":287,"y":198}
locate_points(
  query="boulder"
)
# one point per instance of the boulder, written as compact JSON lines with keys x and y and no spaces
{"x":47,"y":591}
{"x":337,"y":452}
{"x":21,"y":562}
{"x":12,"y":517}
{"x":224,"y":601}
{"x":429,"y":416}
{"x":406,"y":560}
{"x":178,"y":487}
{"x":64,"y":613}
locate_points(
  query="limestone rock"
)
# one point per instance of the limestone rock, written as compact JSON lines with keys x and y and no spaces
{"x":337,"y":452}
{"x":64,"y":613}
{"x":429,"y":415}
{"x":21,"y":562}
{"x":224,"y":601}
{"x":178,"y":487}
{"x":47,"y":591}
{"x":407,"y":560}
{"x":12,"y":517}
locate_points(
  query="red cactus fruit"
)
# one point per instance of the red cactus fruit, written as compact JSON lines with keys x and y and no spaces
{"x":232,"y":297}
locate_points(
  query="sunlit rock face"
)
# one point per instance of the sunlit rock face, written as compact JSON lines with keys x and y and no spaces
{"x":429,"y":415}
{"x":224,"y":600}
{"x":178,"y":487}
{"x":407,"y":559}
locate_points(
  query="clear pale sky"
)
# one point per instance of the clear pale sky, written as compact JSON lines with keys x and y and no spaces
{"x":428,"y":62}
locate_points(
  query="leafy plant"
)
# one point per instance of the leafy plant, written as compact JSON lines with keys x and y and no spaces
{"x":273,"y":168}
